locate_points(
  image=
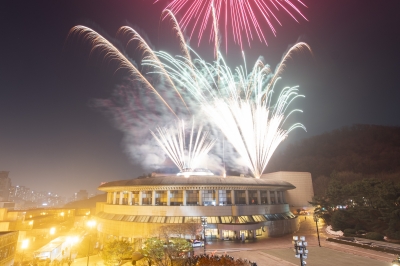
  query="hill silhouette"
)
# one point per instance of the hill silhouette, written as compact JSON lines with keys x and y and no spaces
{"x":362,"y":149}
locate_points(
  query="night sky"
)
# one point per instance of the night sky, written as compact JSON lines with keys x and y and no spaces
{"x":51,"y":139}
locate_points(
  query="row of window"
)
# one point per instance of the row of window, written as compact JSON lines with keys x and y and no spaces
{"x":192,"y":197}
{"x":197,"y":219}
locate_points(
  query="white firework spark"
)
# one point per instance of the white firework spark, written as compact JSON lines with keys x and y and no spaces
{"x":239,"y":104}
{"x":173,"y":142}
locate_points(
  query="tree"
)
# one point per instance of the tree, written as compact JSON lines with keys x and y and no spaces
{"x":177,"y":249}
{"x":153,"y":251}
{"x":193,"y":228}
{"x":116,"y":251}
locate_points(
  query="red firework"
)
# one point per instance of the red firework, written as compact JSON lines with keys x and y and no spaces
{"x":242,"y":16}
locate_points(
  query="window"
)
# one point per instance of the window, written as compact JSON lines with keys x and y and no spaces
{"x":192,"y":197}
{"x":253,"y":197}
{"x":161,"y":197}
{"x":240,"y":197}
{"x":226,"y":219}
{"x":176,"y":197}
{"x":208,"y":197}
{"x":225,"y":197}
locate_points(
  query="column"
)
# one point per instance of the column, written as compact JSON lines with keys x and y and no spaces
{"x":121,"y":197}
{"x":258,"y":197}
{"x":220,"y":234}
{"x":184,"y":197}
{"x":153,"y":198}
{"x":140,"y":198}
{"x":168,"y":198}
{"x":246,"y":195}
{"x":108,"y":197}
{"x":200,"y":197}
{"x":130,"y":198}
{"x":217,"y":197}
{"x":268,"y":197}
{"x":115,"y":198}
{"x":283,"y":197}
{"x":233,"y":197}
{"x":276,"y":197}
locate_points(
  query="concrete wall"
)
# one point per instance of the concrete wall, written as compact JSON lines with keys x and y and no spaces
{"x":302,"y":194}
{"x":235,"y":210}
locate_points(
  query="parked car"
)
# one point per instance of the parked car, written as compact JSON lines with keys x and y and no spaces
{"x":197,"y":243}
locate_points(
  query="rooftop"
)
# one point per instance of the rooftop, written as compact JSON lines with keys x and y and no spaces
{"x":196,"y":181}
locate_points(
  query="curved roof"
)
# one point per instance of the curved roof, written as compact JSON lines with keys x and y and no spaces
{"x":196,"y":181}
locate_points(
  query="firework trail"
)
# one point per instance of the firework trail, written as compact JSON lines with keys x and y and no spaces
{"x":240,"y":16}
{"x":172,"y":141}
{"x":241,"y":105}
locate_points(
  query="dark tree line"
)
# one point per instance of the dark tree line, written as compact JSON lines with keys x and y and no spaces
{"x":360,"y":206}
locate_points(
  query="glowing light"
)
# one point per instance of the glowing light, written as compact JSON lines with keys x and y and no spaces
{"x":52,"y":231}
{"x":241,"y":17}
{"x":25,"y":244}
{"x":172,"y":141}
{"x":91,"y":223}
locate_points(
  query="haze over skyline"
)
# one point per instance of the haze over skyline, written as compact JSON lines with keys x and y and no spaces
{"x":51,"y":139}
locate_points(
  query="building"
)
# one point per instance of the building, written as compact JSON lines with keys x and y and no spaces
{"x":8,"y":246}
{"x":300,"y":197}
{"x":5,"y":184}
{"x":235,"y":207}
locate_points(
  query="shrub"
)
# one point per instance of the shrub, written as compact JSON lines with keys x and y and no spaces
{"x":374,"y":236}
{"x":349,"y":232}
{"x":361,"y":232}
{"x":393,"y":234}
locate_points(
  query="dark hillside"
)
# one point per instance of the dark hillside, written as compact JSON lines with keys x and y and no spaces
{"x":363,"y":149}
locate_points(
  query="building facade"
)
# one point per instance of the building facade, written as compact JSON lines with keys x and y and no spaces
{"x":235,"y":207}
{"x":8,"y":246}
{"x":5,"y":184}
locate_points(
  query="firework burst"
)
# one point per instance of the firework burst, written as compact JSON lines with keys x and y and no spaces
{"x":242,"y":105}
{"x":173,"y":142}
{"x":242,"y":17}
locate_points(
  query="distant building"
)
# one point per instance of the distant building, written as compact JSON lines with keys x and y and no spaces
{"x":8,"y":246}
{"x":5,"y":184}
{"x":81,"y":195}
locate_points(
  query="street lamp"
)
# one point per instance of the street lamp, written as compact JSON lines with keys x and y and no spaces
{"x":204,"y":225}
{"x":91,"y":224}
{"x":24,"y":245}
{"x":300,"y":247}
{"x":71,"y":241}
{"x":316,"y":224}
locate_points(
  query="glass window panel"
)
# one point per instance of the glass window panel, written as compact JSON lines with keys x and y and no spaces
{"x":253,"y":197}
{"x":240,"y":197}
{"x":161,"y":197}
{"x":192,"y":197}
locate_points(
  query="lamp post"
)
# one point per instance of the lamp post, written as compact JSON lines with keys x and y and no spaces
{"x":25,"y":244}
{"x":300,"y":248}
{"x":316,"y":224}
{"x":204,"y":225}
{"x":91,"y":224}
